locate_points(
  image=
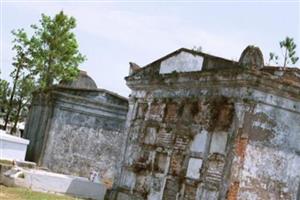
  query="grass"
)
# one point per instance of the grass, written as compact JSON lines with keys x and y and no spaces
{"x":13,"y":193}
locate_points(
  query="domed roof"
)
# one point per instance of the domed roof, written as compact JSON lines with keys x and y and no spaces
{"x":83,"y":81}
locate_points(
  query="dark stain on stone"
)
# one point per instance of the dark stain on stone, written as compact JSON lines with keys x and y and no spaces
{"x":258,"y":133}
{"x":221,"y":114}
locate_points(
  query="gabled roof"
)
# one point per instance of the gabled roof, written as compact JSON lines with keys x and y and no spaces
{"x":249,"y":69}
{"x":191,"y":52}
{"x":209,"y":62}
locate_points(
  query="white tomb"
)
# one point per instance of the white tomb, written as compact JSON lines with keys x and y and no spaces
{"x":12,"y":147}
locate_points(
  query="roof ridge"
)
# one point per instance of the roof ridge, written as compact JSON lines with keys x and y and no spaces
{"x":176,"y":52}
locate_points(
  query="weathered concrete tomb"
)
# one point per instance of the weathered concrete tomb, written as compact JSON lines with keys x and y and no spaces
{"x":75,"y":128}
{"x":206,"y":128}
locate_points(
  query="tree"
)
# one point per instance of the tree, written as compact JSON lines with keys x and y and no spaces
{"x":21,"y":63}
{"x":4,"y":95}
{"x":54,"y":50}
{"x":50,"y":55}
{"x":288,"y":49}
{"x":22,"y":98}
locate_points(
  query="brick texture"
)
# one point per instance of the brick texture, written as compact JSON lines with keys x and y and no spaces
{"x":176,"y":163}
{"x":190,"y":193}
{"x":181,"y":142}
{"x":233,"y":191}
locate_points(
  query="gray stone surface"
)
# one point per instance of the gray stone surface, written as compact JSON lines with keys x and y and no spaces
{"x":183,"y":62}
{"x":58,"y":183}
{"x":247,"y":116}
{"x":42,"y":181}
{"x":252,"y":57}
{"x":77,"y":131}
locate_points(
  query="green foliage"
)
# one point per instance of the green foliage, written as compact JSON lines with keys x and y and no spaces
{"x":49,"y":56}
{"x":273,"y":57}
{"x":4,"y":95}
{"x":288,"y":48}
{"x":22,"y":97}
{"x":23,"y":82}
{"x":54,"y":50}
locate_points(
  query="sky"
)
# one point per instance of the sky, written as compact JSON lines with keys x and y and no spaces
{"x":113,"y":33}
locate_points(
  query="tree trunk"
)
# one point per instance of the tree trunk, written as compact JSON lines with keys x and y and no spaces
{"x":11,"y":98}
{"x":285,"y":58}
{"x":14,"y":128}
{"x":48,"y":73}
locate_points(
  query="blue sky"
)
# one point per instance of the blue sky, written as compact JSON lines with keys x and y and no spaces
{"x":112,"y":34}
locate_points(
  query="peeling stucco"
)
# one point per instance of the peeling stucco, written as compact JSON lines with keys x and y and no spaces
{"x":229,"y":131}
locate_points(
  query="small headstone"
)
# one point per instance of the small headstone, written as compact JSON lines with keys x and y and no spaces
{"x":94,"y":177}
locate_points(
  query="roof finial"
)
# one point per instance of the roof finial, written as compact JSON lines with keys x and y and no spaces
{"x":252,"y":58}
{"x":133,"y":68}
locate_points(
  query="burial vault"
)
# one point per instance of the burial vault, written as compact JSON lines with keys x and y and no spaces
{"x":75,"y":128}
{"x":206,"y":128}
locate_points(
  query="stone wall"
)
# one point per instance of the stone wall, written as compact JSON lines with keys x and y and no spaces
{"x":84,"y":132}
{"x":220,"y":133}
{"x":37,"y":124}
{"x":270,"y":160}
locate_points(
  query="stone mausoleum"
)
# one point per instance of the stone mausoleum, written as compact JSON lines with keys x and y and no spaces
{"x":75,"y":128}
{"x":201,"y":127}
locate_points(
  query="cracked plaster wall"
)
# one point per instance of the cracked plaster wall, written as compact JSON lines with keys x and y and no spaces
{"x":222,"y":144}
{"x":229,"y":131}
{"x":207,"y":147}
{"x":78,"y":135}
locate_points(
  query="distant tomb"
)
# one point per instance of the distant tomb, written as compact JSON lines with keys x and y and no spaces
{"x":76,"y":128}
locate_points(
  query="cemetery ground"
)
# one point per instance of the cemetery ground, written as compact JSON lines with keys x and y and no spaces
{"x":15,"y":193}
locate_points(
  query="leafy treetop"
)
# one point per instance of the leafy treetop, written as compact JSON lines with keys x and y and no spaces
{"x":288,"y":49}
{"x":53,"y":50}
